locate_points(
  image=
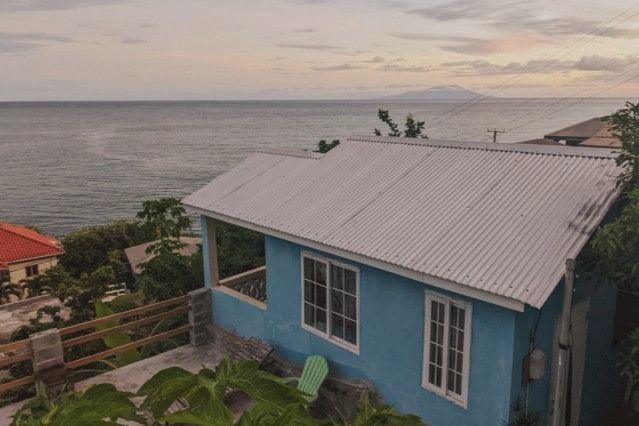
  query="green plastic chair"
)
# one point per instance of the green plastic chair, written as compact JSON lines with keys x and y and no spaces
{"x":313,"y":375}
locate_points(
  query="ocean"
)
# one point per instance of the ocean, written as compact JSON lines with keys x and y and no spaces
{"x":68,"y":165}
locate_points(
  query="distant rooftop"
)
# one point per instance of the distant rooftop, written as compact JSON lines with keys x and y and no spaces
{"x":590,"y":133}
{"x":19,"y":243}
{"x":137,"y":255}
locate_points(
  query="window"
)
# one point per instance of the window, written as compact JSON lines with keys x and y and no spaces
{"x":31,"y":270}
{"x":447,"y":329}
{"x":330,"y":300}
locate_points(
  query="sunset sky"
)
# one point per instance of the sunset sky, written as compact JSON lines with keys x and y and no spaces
{"x":314,"y":49}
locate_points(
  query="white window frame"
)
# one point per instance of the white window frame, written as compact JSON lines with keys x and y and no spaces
{"x":460,"y":400}
{"x":328,"y":334}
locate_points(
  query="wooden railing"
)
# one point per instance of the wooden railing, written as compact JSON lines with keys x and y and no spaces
{"x":250,"y":283}
{"x":14,"y":352}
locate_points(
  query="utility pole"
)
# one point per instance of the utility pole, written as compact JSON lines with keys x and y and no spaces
{"x":494,"y":132}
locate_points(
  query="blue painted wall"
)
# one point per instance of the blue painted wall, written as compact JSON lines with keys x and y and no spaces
{"x":391,"y":339}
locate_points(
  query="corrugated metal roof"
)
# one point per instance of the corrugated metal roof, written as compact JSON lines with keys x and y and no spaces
{"x":496,"y":218}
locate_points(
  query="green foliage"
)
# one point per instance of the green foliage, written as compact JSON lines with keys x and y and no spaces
{"x":273,"y":400}
{"x":614,"y":250}
{"x":238,"y":249}
{"x":89,"y":248}
{"x":126,"y":302}
{"x":168,"y":219}
{"x":412,"y":127}
{"x":520,"y":416}
{"x":8,"y":290}
{"x":169,"y":275}
{"x":369,"y":415}
{"x":625,"y":126}
{"x":629,"y":362}
{"x":79,"y":294}
{"x":116,"y":339}
{"x":323,"y":147}
{"x":100,"y":404}
{"x":36,"y":286}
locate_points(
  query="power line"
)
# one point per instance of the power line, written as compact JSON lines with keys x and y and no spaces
{"x":600,"y":30}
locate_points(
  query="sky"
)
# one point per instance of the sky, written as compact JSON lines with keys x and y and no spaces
{"x":315,"y":49}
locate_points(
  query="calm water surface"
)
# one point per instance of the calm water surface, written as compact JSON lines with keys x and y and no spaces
{"x":68,"y":165}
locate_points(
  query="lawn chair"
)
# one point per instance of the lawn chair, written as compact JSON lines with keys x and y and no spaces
{"x":313,"y":375}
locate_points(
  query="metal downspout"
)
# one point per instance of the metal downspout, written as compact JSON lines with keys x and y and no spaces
{"x":563,"y":356}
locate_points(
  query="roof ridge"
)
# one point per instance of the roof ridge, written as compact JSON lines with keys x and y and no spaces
{"x":291,"y":152}
{"x":567,"y":151}
{"x":50,"y":243}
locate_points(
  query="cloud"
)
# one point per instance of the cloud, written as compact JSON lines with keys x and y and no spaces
{"x":509,"y":16}
{"x":474,"y":46}
{"x":29,"y":42}
{"x":343,"y":67}
{"x":36,"y":5}
{"x":592,"y":63}
{"x":599,"y":63}
{"x":326,"y":47}
{"x":373,"y":60}
{"x":305,"y":30}
{"x":131,"y":40}
{"x":400,"y":68}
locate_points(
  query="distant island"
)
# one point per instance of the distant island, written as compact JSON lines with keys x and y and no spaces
{"x":452,"y":93}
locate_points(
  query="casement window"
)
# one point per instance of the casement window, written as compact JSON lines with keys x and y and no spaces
{"x":330,"y":308}
{"x":447,"y":328}
{"x":31,"y":270}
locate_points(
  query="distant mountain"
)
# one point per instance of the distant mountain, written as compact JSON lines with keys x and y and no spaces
{"x":452,"y":93}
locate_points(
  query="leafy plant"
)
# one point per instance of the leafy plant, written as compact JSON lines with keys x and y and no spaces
{"x":520,"y":414}
{"x":629,"y":362}
{"x":625,"y":127}
{"x":99,"y":404}
{"x":272,"y":399}
{"x":369,"y":415}
{"x":323,"y":147}
{"x":116,"y":339}
{"x":168,"y":219}
{"x":8,"y":290}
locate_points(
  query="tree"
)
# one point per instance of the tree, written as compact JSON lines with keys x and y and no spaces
{"x":169,"y":275}
{"x":89,"y":248}
{"x":36,"y":286}
{"x":625,"y":127}
{"x":412,"y":128}
{"x":8,"y":290}
{"x":614,"y":249}
{"x":323,"y":147}
{"x":168,"y":219}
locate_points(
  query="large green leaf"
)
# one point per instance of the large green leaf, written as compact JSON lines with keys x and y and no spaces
{"x":213,"y":412}
{"x":116,"y":339}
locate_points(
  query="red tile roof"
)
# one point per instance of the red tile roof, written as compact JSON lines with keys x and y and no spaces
{"x":19,"y":243}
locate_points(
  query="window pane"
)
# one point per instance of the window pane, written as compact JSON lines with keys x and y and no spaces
{"x":320,"y":296}
{"x":450,"y":379}
{"x":309,"y":294}
{"x":309,"y":317}
{"x":320,"y":273}
{"x":309,"y":269}
{"x":462,"y":319}
{"x":350,"y":303}
{"x":433,"y":310}
{"x":350,"y":332}
{"x":350,"y":282}
{"x":453,"y":315}
{"x":337,"y":326}
{"x":320,"y":322}
{"x":337,"y":277}
{"x":337,"y":302}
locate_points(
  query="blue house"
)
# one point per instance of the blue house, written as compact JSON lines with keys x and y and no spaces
{"x":441,"y":271}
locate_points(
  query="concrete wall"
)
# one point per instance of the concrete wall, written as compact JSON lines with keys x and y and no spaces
{"x":391,"y":338}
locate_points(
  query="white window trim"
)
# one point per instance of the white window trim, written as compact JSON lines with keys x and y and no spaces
{"x":327,"y":335}
{"x":462,"y":400}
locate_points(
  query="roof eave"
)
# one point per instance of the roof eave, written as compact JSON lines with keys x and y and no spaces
{"x":440,"y":283}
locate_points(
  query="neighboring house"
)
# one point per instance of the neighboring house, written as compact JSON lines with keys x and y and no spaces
{"x":431,"y":268}
{"x":25,"y":253}
{"x":137,"y":255}
{"x":594,"y":133}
